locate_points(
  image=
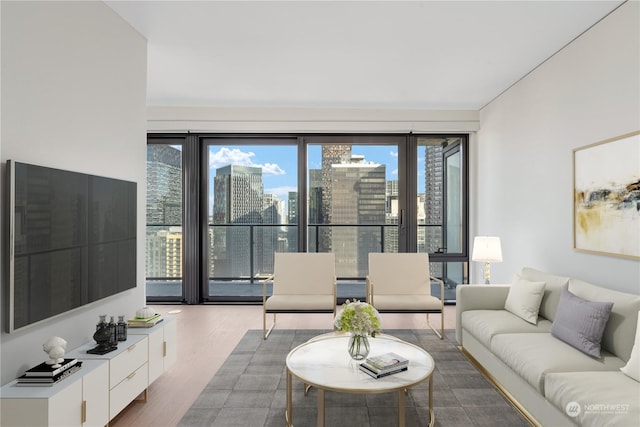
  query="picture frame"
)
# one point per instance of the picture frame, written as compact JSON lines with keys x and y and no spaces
{"x":606,"y":197}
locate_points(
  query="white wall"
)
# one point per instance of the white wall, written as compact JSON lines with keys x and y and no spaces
{"x":588,"y":92}
{"x":74,"y":98}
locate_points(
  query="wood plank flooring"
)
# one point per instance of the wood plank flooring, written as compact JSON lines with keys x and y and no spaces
{"x":206,"y":336}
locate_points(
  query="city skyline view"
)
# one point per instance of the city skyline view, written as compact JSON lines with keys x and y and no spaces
{"x":279,"y":164}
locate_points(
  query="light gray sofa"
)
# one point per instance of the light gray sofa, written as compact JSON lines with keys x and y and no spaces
{"x":553,"y":383}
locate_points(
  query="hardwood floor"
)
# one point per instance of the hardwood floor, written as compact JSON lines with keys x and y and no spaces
{"x":206,"y":336}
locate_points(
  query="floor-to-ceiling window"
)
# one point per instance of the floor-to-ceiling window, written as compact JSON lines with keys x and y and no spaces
{"x":164,"y":213}
{"x":251,"y":198}
{"x":231,"y":201}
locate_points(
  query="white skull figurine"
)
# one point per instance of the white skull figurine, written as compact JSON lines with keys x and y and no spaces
{"x":55,"y":347}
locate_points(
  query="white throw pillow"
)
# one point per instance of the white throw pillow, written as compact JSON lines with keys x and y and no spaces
{"x":524,"y":299}
{"x":632,"y":368}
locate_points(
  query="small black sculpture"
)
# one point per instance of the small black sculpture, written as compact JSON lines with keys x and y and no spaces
{"x":103,"y":338}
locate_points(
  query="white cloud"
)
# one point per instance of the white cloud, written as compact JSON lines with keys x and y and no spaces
{"x":394,"y":172}
{"x":225,"y":156}
{"x":393,"y":153}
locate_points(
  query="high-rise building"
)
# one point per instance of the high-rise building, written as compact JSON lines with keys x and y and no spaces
{"x":331,"y":155}
{"x":357,"y":198}
{"x":164,"y":185}
{"x":292,"y":223}
{"x":238,"y":199}
{"x":391,"y":217}
{"x":163,"y":255}
{"x":271,"y":214}
{"x":433,"y":198}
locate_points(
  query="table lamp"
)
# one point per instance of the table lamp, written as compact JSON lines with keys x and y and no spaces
{"x":487,"y":249}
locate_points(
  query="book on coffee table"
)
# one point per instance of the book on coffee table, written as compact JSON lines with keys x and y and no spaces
{"x":385,"y":363}
{"x":377,"y":375}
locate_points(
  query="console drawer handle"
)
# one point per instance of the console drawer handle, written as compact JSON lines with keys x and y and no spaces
{"x":133,"y":374}
{"x":132,"y":347}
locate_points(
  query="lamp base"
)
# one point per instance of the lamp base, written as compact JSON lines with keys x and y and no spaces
{"x":487,"y":273}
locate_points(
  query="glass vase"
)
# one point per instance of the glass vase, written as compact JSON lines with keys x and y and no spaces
{"x":358,"y":346}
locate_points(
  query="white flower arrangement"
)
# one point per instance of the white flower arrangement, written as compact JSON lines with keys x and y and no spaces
{"x":358,"y":318}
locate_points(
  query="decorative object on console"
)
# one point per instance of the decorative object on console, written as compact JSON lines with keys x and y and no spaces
{"x":524,"y":299}
{"x":55,"y":347}
{"x":487,"y":249}
{"x":360,"y":319}
{"x":145,"y":313}
{"x":144,"y":322}
{"x":580,"y":323}
{"x":122,"y":329}
{"x":103,"y":337}
{"x":606,"y":197}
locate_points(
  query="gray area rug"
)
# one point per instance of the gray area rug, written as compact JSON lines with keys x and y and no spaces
{"x":249,"y":390}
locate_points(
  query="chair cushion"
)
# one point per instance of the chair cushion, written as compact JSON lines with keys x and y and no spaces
{"x":299,"y":303}
{"x":310,"y":273}
{"x":485,"y":324}
{"x":532,"y":356}
{"x":406,"y":303}
{"x":399,"y":273}
{"x":595,"y":399}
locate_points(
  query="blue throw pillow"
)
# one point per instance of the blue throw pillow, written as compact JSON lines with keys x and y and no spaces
{"x":580,"y":323}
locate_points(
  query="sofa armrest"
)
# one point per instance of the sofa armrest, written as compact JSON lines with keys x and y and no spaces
{"x":478,"y":297}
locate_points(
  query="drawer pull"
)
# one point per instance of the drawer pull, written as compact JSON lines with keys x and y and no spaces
{"x":83,"y":415}
{"x":132,"y":347}
{"x":164,"y":349}
{"x":133,"y":374}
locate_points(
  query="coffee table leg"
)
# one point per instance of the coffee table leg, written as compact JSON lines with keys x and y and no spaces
{"x":320,"y":407}
{"x":432,"y":415}
{"x":401,"y":408}
{"x":289,"y":411}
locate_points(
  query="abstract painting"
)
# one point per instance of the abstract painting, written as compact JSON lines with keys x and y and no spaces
{"x":606,"y":197}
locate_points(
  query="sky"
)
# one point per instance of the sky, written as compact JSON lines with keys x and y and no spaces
{"x":279,"y":163}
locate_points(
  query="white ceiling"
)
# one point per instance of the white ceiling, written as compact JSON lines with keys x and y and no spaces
{"x":339,"y":54}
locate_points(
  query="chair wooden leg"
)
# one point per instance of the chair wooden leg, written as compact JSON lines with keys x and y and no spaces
{"x":441,"y":333}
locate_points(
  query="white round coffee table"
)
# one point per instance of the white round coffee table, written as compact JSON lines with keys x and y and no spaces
{"x":323,"y":363}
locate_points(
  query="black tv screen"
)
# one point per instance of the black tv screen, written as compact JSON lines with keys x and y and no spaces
{"x":72,"y":240}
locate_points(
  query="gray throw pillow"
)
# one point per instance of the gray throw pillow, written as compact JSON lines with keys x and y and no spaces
{"x":580,"y":323}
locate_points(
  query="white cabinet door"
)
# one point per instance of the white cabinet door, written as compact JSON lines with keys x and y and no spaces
{"x":65,"y":407}
{"x":156,"y":358}
{"x":95,"y":395}
{"x":171,"y":344}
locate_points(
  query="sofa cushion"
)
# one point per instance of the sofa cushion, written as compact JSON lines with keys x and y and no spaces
{"x":532,"y":356}
{"x":485,"y":324}
{"x":580,"y":323}
{"x":620,"y":329}
{"x":595,"y":398}
{"x":632,"y":368}
{"x":552,"y":289}
{"x":524,"y":299}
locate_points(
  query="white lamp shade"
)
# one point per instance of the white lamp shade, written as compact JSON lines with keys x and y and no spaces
{"x":487,"y":249}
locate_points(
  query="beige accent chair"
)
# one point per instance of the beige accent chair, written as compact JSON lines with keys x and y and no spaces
{"x":401,"y":283}
{"x":302,"y":283}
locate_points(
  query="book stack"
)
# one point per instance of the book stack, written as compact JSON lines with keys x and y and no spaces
{"x":383,"y":365}
{"x":46,"y":375}
{"x":144,"y":322}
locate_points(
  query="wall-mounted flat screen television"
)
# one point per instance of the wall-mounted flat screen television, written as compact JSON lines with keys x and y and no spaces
{"x":72,"y":241}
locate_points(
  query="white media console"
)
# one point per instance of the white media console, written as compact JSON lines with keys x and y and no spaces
{"x":102,"y":388}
